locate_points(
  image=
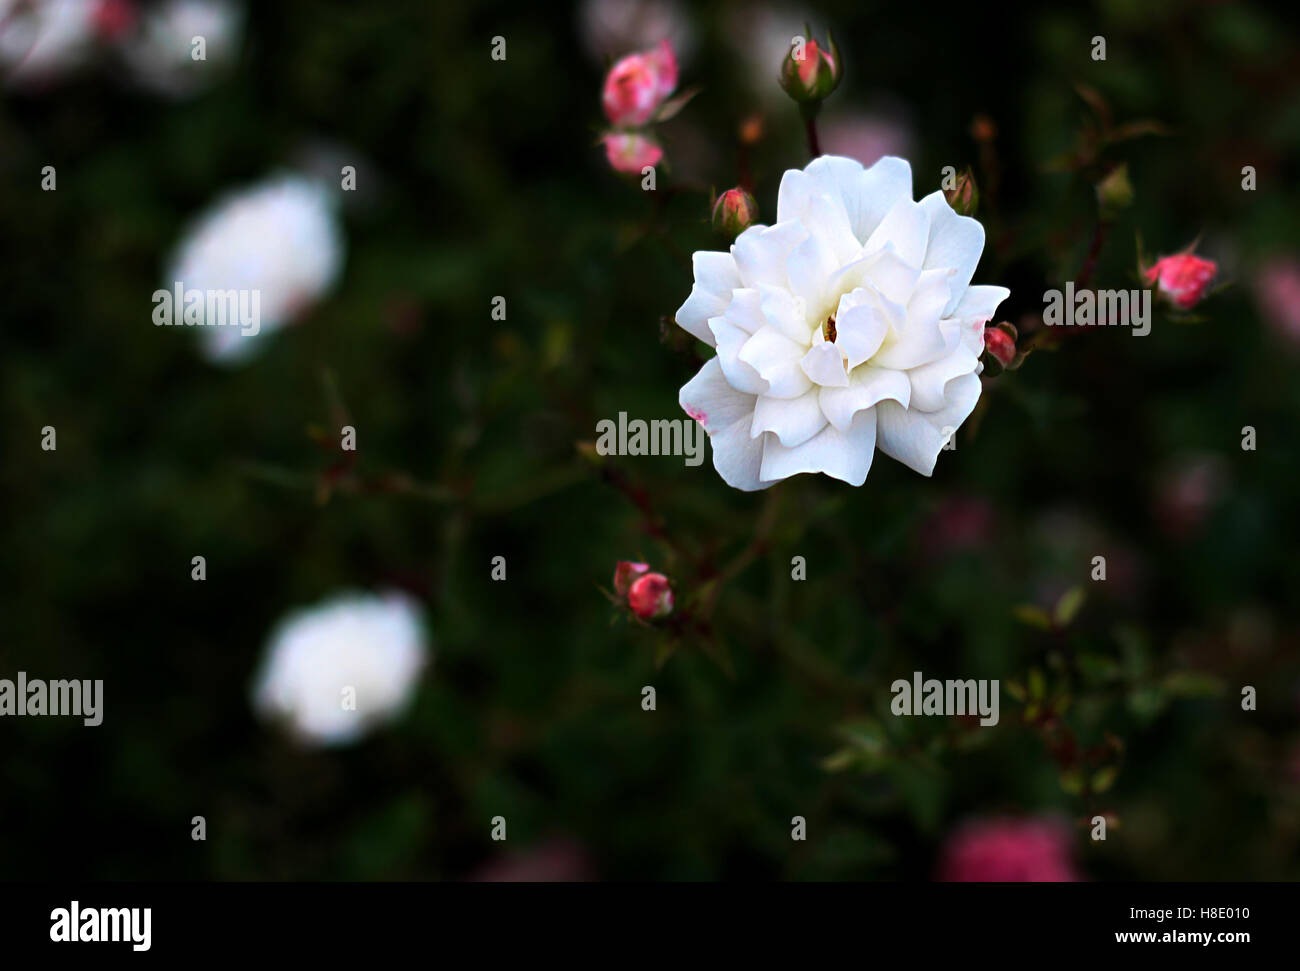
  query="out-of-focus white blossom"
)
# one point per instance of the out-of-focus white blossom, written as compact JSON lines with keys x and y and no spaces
{"x":335,"y":670}
{"x":281,"y":238}
{"x":160,"y":51}
{"x":44,"y":40}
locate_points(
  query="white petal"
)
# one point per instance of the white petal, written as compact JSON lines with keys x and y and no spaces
{"x":745,"y":311}
{"x":892,"y":276}
{"x":930,"y":296}
{"x":827,"y":220}
{"x":730,"y":340}
{"x":930,"y":380}
{"x":842,"y":455}
{"x":878,"y":190}
{"x":760,"y":252}
{"x":693,"y":315}
{"x":809,"y":268}
{"x":792,"y":420}
{"x":712,"y":401}
{"x":716,"y":272}
{"x":956,"y":242}
{"x":737,"y":457}
{"x":921,"y":342}
{"x":907,"y":227}
{"x":980,"y":303}
{"x":867,"y":387}
{"x":784,"y":312}
{"x":824,"y":364}
{"x":860,"y":330}
{"x":916,"y":437}
{"x":776,"y":358}
{"x":716,"y":277}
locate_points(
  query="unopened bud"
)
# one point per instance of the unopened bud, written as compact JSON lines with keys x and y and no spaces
{"x":964,"y":197}
{"x":810,"y":72}
{"x":1115,"y":191}
{"x":1182,"y":279}
{"x":1000,"y":343}
{"x":734,"y":212}
{"x":651,"y":597}
{"x":625,"y":572}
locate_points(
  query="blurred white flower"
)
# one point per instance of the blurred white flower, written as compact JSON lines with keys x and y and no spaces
{"x":848,"y":325}
{"x":280,"y":237}
{"x":159,"y":52}
{"x":612,"y":28}
{"x":43,"y":40}
{"x":354,"y":647}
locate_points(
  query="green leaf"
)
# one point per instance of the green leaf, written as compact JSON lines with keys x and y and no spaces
{"x":1192,"y":684}
{"x":1068,"y":606}
{"x":1072,"y":781}
{"x":1032,"y":616}
{"x":670,"y":107}
{"x":1104,"y":778}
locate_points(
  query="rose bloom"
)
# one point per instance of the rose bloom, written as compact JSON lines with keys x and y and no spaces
{"x":638,"y":84}
{"x":847,"y":326}
{"x":1008,"y":851}
{"x":280,"y":237}
{"x":373,"y":645}
{"x":631,"y":153}
{"x":1182,"y":278}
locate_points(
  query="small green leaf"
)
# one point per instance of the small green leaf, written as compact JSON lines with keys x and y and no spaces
{"x":1068,"y":606}
{"x":1072,"y":781}
{"x":1032,"y":616}
{"x":1104,"y":778}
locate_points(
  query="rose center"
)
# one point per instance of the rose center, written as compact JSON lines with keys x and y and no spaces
{"x":828,"y":329}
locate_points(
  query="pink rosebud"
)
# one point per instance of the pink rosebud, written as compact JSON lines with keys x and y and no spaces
{"x":1008,"y":851}
{"x":810,"y":74}
{"x":631,"y":153}
{"x":734,"y":212}
{"x":651,"y":597}
{"x":1182,"y":278}
{"x":625,"y":572}
{"x":1000,"y":345}
{"x":638,"y":84}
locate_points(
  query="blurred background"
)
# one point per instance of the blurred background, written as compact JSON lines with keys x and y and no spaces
{"x":478,"y":178}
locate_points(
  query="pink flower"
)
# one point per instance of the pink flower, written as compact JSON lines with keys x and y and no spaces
{"x":631,"y":153}
{"x":1182,"y":278}
{"x":1008,"y":851}
{"x":625,"y":572}
{"x":651,"y":597}
{"x":638,"y":84}
{"x":1277,"y":288}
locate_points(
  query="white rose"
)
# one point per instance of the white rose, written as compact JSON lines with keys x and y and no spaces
{"x":335,"y":670}
{"x":847,"y":326}
{"x":280,"y":238}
